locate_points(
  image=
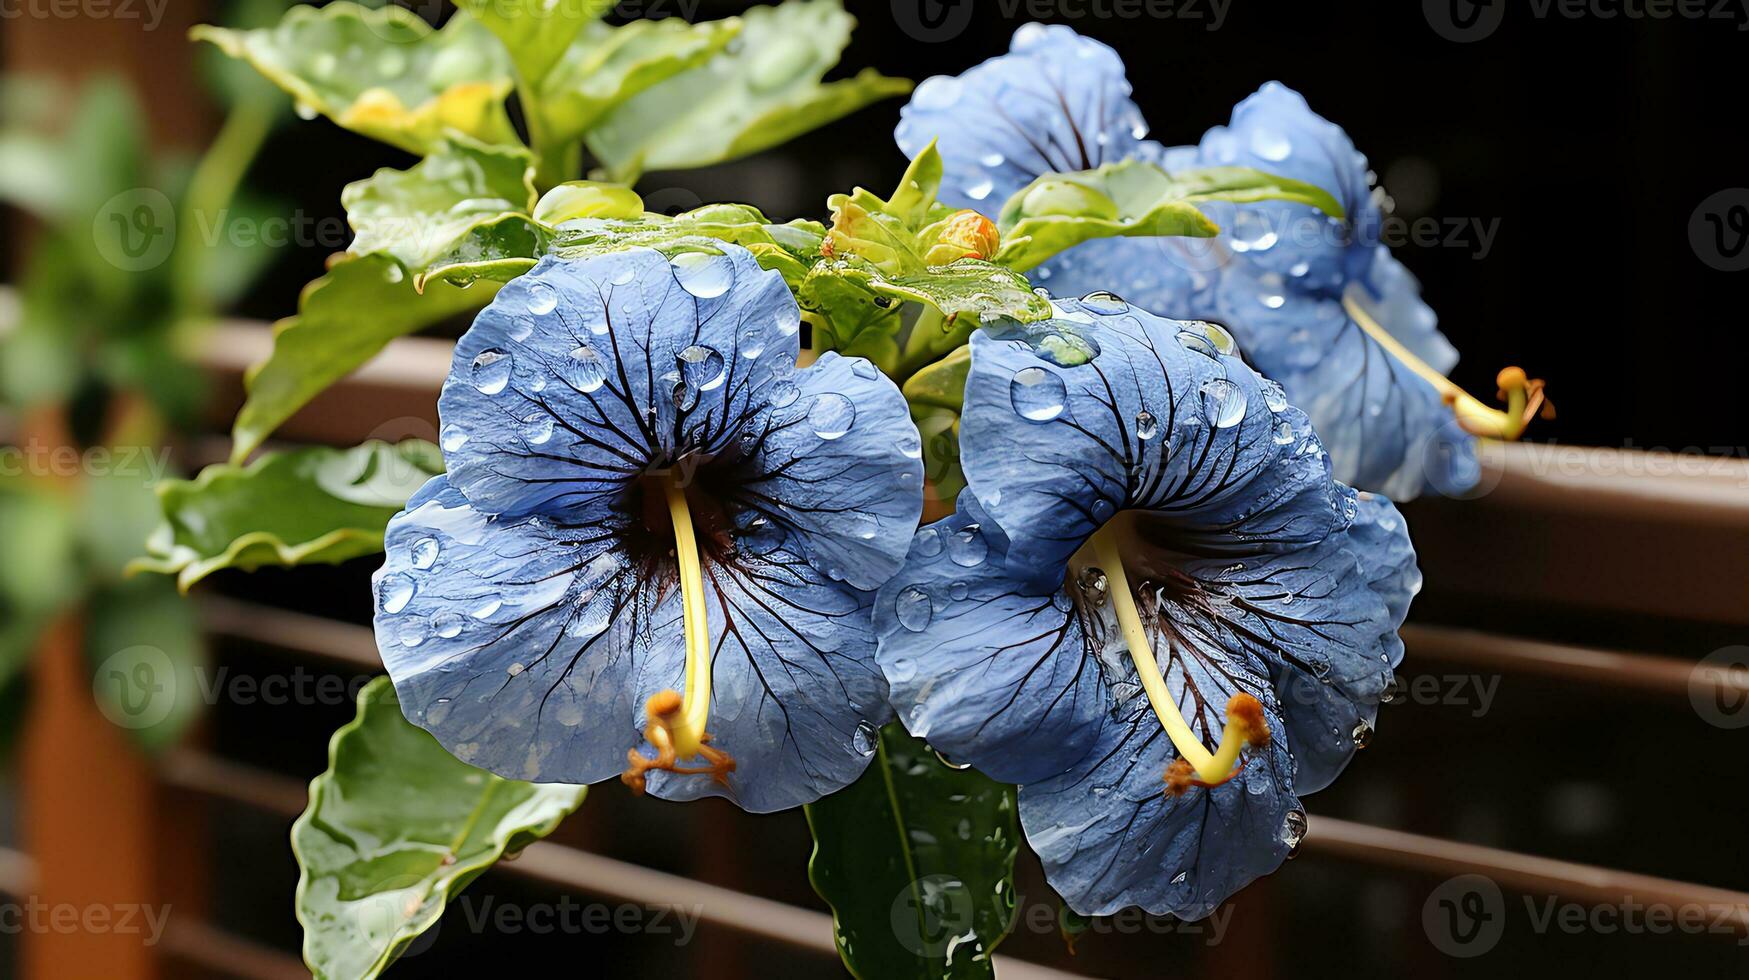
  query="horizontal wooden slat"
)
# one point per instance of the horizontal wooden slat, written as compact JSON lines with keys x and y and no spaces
{"x":567,"y":868}
{"x":1635,"y":673}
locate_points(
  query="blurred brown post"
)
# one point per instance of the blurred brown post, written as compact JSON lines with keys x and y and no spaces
{"x":93,"y":818}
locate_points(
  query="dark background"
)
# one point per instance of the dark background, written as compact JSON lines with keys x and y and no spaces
{"x":1587,"y":144}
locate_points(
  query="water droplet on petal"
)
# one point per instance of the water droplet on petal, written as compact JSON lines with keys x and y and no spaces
{"x":1147,"y":426}
{"x":831,"y":415}
{"x":1274,"y":396}
{"x":1223,"y":402}
{"x":914,"y":609}
{"x":957,"y":766}
{"x":1104,"y":302}
{"x":1270,"y":145}
{"x":967,"y":547}
{"x":927,"y":543}
{"x":1362,"y":734}
{"x":1093,"y":585}
{"x":701,"y":367}
{"x":452,"y":438}
{"x":753,"y":342}
{"x":587,"y":371}
{"x":784,"y":394}
{"x":1293,"y":831}
{"x":395,"y":592}
{"x":992,"y":159}
{"x":486,"y":608}
{"x":1038,"y":394}
{"x":863,"y":741}
{"x":447,"y":625}
{"x":702,"y":274}
{"x":1181,"y":878}
{"x":937,"y":92}
{"x":542,"y":299}
{"x":1103,"y":510}
{"x":624,"y":276}
{"x":537,"y":428}
{"x":1284,"y":433}
{"x":424,"y":553}
{"x":491,"y":371}
{"x":1196,"y":340}
{"x":980,"y":190}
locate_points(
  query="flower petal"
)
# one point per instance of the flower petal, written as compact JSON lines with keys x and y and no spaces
{"x":987,"y":660}
{"x":1108,"y":407}
{"x":796,"y":697}
{"x":1110,"y":838}
{"x":837,"y":459}
{"x":1056,"y":102}
{"x":514,"y":641}
{"x":584,"y":373}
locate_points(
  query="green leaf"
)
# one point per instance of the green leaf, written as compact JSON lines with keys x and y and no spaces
{"x":395,"y":829}
{"x":942,"y":384}
{"x":739,"y":224}
{"x":39,"y":570}
{"x":917,"y":862}
{"x":609,"y":65}
{"x":344,"y":319}
{"x":307,"y":506}
{"x":143,"y":642}
{"x":765,"y":91}
{"x":1132,"y":198}
{"x":421,"y":214}
{"x":383,"y":73}
{"x":536,"y":32}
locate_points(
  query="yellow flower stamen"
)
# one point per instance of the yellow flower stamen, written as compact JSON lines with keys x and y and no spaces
{"x":1523,"y":396}
{"x":1196,"y":765}
{"x":676,"y":725}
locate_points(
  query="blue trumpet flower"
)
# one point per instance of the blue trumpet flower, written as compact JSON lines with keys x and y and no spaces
{"x":1318,"y":304}
{"x":1153,"y":608}
{"x":657,"y":540}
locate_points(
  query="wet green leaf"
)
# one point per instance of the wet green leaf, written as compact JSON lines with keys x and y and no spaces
{"x":344,"y":319}
{"x":394,"y":830}
{"x":536,"y":32}
{"x":1132,"y":198}
{"x":765,"y":91}
{"x":384,"y":73}
{"x":917,"y":861}
{"x":607,"y":66}
{"x":305,"y":506}
{"x":421,"y":214}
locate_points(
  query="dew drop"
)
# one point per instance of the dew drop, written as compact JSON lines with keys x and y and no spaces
{"x":752,"y":342}
{"x":452,"y":438}
{"x":1362,"y":734}
{"x":1147,"y":426}
{"x":537,"y":428}
{"x":831,"y":415}
{"x":701,"y":367}
{"x":1293,"y":831}
{"x":1274,"y":396}
{"x":491,"y":371}
{"x":412,"y":633}
{"x":624,"y":276}
{"x":1270,"y":145}
{"x":863,"y":741}
{"x":927,"y":543}
{"x":1223,"y":402}
{"x":542,"y":299}
{"x":1284,"y":433}
{"x":937,"y":92}
{"x":447,"y":625}
{"x":485,"y":609}
{"x":395,"y":592}
{"x":967,"y":547}
{"x":702,"y":274}
{"x":1038,"y":394}
{"x":784,"y":394}
{"x":1181,"y":877}
{"x":1196,"y":340}
{"x":1093,"y":585}
{"x":424,"y":553}
{"x":1104,"y":302}
{"x":980,"y":190}
{"x":914,"y":609}
{"x":588,"y":372}
{"x":992,"y":159}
